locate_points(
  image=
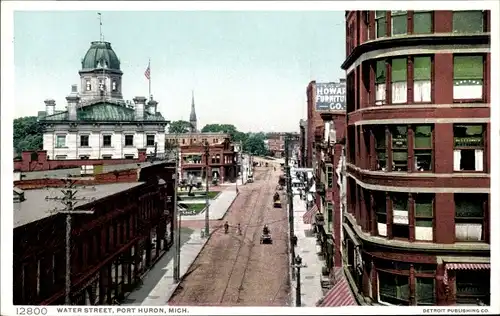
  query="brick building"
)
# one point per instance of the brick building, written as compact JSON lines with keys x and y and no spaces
{"x":418,"y":156}
{"x":276,"y":144}
{"x":130,"y":229}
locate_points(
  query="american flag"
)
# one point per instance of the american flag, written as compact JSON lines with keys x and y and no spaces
{"x":147,"y":73}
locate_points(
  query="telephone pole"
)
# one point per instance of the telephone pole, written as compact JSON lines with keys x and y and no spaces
{"x":207,"y":200}
{"x":290,"y":198}
{"x":69,"y":200}
{"x":176,"y":222}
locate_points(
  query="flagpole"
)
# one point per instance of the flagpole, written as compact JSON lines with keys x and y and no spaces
{"x":149,"y":67}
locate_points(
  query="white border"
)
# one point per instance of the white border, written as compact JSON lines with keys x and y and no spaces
{"x":8,"y":102}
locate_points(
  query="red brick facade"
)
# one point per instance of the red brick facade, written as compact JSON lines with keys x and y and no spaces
{"x":417,"y":149}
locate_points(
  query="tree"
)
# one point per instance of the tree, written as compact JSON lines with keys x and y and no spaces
{"x":236,"y":136}
{"x":255,"y":145}
{"x":179,"y":127}
{"x":28,"y":134}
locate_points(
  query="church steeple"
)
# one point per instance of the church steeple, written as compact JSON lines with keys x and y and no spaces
{"x":192,"y":116}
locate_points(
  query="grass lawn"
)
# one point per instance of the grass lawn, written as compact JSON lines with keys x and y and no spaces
{"x":199,"y":195}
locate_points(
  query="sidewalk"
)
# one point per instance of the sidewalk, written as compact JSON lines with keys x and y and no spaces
{"x":307,"y":248}
{"x":158,"y":284}
{"x":218,"y":207}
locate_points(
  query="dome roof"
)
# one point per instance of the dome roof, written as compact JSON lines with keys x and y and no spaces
{"x":99,"y":55}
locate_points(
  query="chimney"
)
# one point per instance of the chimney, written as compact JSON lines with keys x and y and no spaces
{"x":50,"y":106}
{"x":140,"y":104}
{"x":342,"y":80}
{"x":73,"y":99}
{"x":152,"y":106}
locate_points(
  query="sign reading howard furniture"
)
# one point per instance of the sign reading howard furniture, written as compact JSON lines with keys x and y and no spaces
{"x":330,"y":96}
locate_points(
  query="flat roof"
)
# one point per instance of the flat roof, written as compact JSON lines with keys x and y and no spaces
{"x":35,"y":207}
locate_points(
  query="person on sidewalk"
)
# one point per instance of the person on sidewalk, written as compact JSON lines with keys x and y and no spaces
{"x":226,"y":227}
{"x":239,"y":229}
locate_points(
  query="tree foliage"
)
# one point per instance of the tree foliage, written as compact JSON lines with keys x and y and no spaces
{"x":28,"y":134}
{"x":179,"y":127}
{"x":236,"y":136}
{"x":254,"y":144}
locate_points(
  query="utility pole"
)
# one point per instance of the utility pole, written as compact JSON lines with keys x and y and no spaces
{"x":69,"y":200}
{"x":290,"y":198}
{"x":298,"y":265}
{"x":207,"y":200}
{"x":176,"y":223}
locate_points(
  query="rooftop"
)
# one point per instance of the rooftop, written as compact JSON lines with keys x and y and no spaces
{"x":35,"y":207}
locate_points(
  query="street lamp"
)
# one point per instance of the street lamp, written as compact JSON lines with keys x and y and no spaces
{"x":207,"y":202}
{"x":298,"y":265}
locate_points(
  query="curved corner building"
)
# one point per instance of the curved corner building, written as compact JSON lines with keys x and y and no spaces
{"x":416,"y":229}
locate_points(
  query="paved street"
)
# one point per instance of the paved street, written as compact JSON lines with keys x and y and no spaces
{"x":236,"y":270}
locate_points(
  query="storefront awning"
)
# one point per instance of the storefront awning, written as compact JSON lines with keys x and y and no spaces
{"x":463,"y":266}
{"x":308,"y":216}
{"x":340,"y":294}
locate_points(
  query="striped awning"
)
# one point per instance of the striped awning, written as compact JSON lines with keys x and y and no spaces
{"x":340,"y":294}
{"x":463,"y":266}
{"x":308,"y":216}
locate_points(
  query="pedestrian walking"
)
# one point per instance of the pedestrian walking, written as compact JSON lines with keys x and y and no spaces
{"x":239,"y":229}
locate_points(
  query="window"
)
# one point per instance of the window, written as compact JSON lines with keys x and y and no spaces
{"x":400,"y":226}
{"x":150,"y":140}
{"x":329,"y":216}
{"x":423,"y":148}
{"x":366,"y":16}
{"x":106,"y":140}
{"x":129,"y":140}
{"x":469,"y":147}
{"x":380,"y":80}
{"x":424,"y":216}
{"x":84,"y":157}
{"x":380,"y":25}
{"x":393,"y":289}
{"x":101,"y":84}
{"x":192,"y":159}
{"x":425,"y":292}
{"x":381,"y":149}
{"x":88,"y":85}
{"x":422,"y":22}
{"x":472,"y":286}
{"x":400,"y":148}
{"x":183,"y":141}
{"x":398,"y":77}
{"x":61,"y":157}
{"x":60,"y":141}
{"x":114,"y":86}
{"x":469,"y":217}
{"x":468,"y":22}
{"x":399,"y":22}
{"x":329,"y":175}
{"x":422,"y":79}
{"x":129,"y":156}
{"x":381,"y":210}
{"x":215,"y":140}
{"x":84,"y":140}
{"x":468,"y":77}
{"x":107,"y":156}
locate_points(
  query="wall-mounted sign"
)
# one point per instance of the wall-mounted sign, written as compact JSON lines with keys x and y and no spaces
{"x":330,"y":96}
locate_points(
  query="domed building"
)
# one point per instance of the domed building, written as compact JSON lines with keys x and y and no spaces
{"x":97,"y":122}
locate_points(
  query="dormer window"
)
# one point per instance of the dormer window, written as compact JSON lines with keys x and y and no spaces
{"x":101,"y":85}
{"x":88,"y":86}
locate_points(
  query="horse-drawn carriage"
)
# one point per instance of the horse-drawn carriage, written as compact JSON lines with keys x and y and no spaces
{"x":266,"y":238}
{"x":276,"y":200}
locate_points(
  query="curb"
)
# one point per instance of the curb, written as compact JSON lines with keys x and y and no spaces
{"x":230,"y":205}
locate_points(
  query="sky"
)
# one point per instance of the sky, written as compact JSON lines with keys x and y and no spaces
{"x":249,"y":69}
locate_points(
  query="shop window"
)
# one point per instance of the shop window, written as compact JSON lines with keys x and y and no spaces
{"x":380,"y":81}
{"x":468,"y":77}
{"x":84,"y":140}
{"x":425,"y":293}
{"x":468,"y":22}
{"x":106,"y":140}
{"x":422,"y":79}
{"x":422,"y":22}
{"x":381,"y":210}
{"x":380,"y":149}
{"x":60,"y":141}
{"x":468,"y":153}
{"x":150,"y":140}
{"x":423,"y":148}
{"x":472,"y":287}
{"x":129,"y":140}
{"x":393,"y":289}
{"x":400,"y":228}
{"x":380,"y":24}
{"x":399,"y":80}
{"x":424,"y":216}
{"x":329,"y":175}
{"x":469,"y":217}
{"x":400,"y":148}
{"x":399,"y":22}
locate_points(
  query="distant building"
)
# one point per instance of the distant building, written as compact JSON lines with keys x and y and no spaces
{"x":98,"y":123}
